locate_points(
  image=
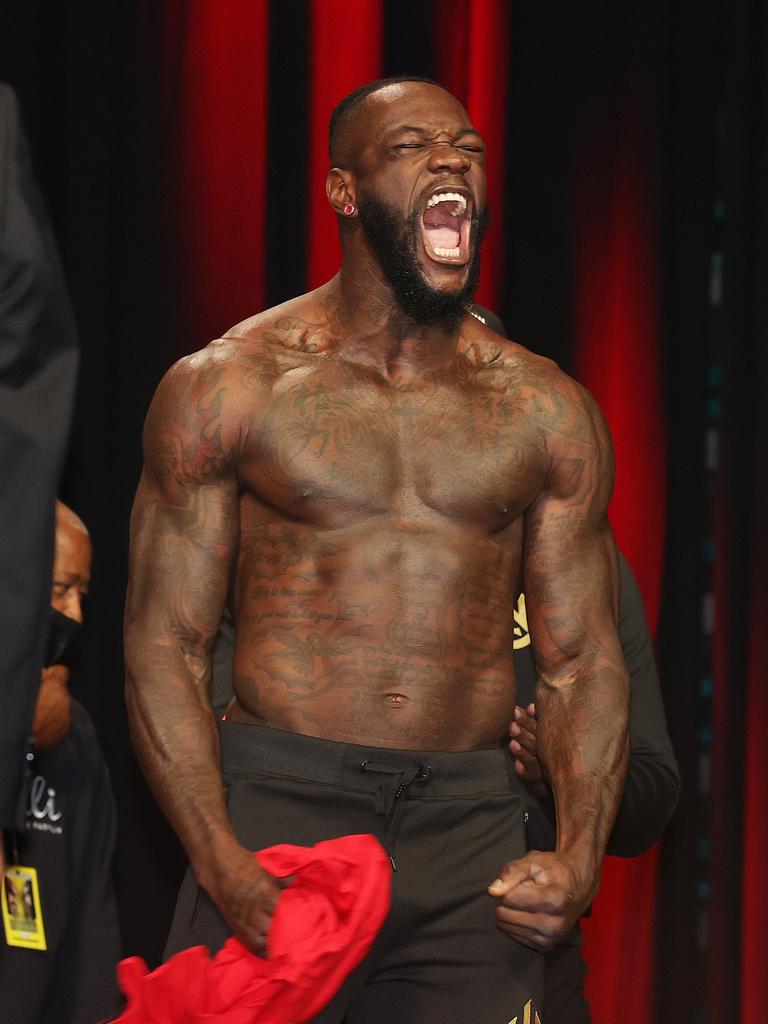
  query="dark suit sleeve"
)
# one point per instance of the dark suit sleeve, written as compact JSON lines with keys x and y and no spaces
{"x":38,"y":364}
{"x":653,"y":783}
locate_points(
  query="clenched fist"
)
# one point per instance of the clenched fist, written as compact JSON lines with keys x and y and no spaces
{"x":246,"y":897}
{"x":541,"y":897}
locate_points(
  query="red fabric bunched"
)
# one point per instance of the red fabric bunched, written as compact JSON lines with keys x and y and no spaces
{"x":324,"y":924}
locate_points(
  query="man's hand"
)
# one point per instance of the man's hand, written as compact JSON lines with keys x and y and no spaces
{"x":523,"y":746}
{"x":246,"y":897}
{"x":541,"y":897}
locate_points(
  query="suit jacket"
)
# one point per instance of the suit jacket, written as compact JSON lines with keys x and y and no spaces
{"x":38,"y":366}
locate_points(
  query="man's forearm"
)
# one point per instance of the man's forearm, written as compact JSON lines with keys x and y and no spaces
{"x":583,"y":745}
{"x":174,"y":731}
{"x":176,"y":740}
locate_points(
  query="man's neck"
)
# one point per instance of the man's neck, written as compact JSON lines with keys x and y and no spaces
{"x":376,"y":332}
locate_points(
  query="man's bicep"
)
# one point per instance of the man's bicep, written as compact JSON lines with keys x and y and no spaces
{"x":184,"y":520}
{"x":570,"y":564}
{"x":179,"y":574}
{"x":570,"y":589}
{"x":181,"y":552}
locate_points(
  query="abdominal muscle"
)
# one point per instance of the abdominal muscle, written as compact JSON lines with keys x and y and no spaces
{"x":397,"y":639}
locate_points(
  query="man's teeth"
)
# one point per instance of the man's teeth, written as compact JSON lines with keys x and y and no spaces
{"x":450,"y":253}
{"x":453,"y":197}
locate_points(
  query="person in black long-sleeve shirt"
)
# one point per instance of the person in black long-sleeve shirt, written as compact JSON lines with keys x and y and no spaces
{"x":650,"y":797}
{"x":69,"y":835}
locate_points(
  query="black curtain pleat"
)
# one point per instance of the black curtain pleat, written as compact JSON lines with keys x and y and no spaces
{"x":409,"y":35}
{"x":287,"y":131}
{"x":688,"y":234}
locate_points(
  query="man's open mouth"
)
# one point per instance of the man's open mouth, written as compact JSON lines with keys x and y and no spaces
{"x":445,"y":226}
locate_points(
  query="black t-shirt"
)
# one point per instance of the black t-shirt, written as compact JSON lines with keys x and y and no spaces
{"x":69,"y":839}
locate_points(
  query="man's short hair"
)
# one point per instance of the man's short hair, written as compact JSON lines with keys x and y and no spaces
{"x":340,"y":118}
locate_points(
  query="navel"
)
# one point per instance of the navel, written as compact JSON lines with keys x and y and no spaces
{"x":396,"y":700}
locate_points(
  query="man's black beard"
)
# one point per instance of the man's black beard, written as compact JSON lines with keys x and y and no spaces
{"x":393,"y":242}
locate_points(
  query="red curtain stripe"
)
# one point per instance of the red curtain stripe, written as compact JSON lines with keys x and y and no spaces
{"x":345,"y":51}
{"x":754,"y":977}
{"x":617,"y":351}
{"x":617,"y":357}
{"x":217,"y":161}
{"x":472,"y":62}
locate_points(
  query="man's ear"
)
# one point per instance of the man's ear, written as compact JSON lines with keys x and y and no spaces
{"x":340,"y":188}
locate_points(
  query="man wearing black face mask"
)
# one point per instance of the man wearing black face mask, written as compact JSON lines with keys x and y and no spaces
{"x":70,"y":830}
{"x":71,"y":575}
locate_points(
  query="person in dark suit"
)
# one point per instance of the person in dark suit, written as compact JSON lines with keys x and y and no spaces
{"x":38,"y":366}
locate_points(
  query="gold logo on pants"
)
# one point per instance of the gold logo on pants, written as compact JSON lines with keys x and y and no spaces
{"x":527,"y":1018}
{"x":520,"y":616}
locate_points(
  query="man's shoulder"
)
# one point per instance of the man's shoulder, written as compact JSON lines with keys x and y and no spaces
{"x":514,"y":362}
{"x":299,"y":325}
{"x":250,"y":355}
{"x":558,"y":405}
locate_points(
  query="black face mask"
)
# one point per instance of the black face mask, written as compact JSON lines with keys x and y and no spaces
{"x":64,"y":636}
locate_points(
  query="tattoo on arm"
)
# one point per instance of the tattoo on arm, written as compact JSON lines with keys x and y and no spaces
{"x":183,"y":537}
{"x":571,"y":584}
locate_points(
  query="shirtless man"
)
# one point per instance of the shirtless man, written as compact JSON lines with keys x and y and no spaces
{"x":370,"y":476}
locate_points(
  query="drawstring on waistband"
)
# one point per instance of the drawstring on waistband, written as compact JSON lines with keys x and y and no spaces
{"x":388,"y":793}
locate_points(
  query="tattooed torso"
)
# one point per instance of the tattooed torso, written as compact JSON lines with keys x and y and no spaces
{"x":380,"y":527}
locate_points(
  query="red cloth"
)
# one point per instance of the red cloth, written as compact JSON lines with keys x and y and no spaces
{"x":324,"y":924}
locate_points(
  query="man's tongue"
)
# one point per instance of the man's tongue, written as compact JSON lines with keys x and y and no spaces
{"x":442,"y":229}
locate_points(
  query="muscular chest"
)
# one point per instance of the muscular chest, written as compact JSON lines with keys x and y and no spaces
{"x":328,"y":445}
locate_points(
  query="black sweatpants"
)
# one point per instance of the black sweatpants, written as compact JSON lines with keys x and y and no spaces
{"x":449,"y":821}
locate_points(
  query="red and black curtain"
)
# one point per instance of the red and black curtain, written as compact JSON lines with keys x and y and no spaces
{"x":182,"y":147}
{"x":230,"y":81}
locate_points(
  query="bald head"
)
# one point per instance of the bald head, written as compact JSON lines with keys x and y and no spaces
{"x":66,"y":519}
{"x":71,"y":563}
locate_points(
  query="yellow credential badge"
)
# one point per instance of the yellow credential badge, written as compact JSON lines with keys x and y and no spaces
{"x":22,"y":909}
